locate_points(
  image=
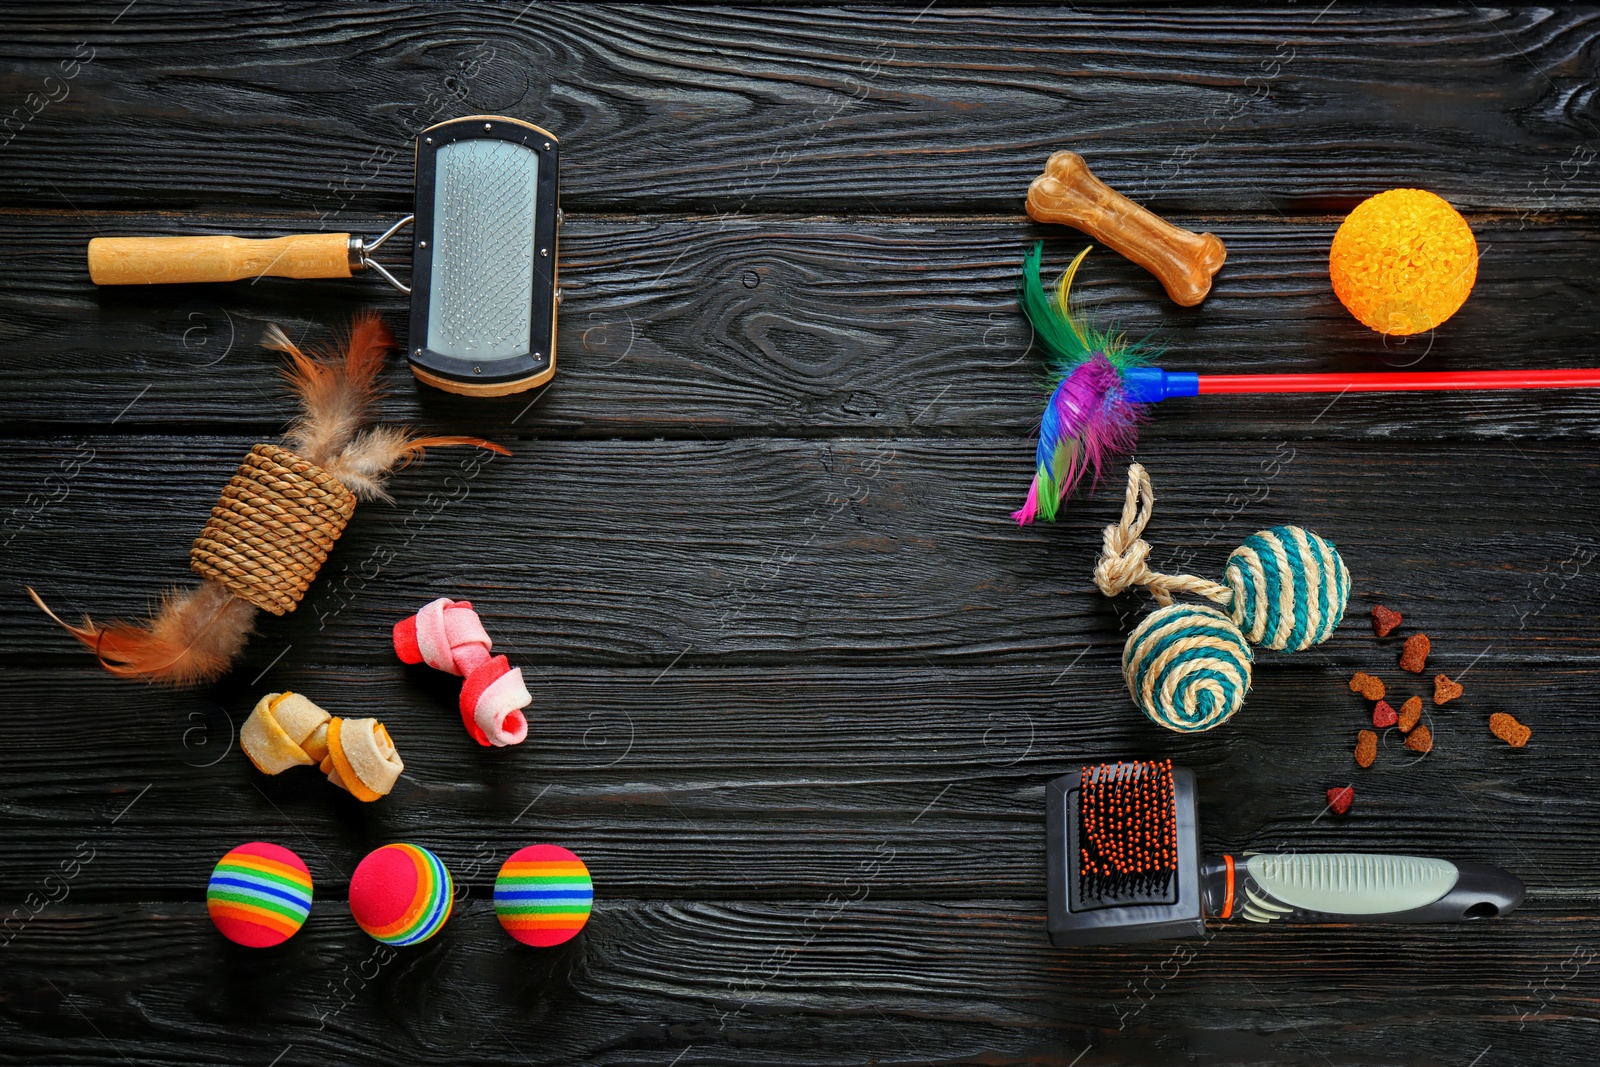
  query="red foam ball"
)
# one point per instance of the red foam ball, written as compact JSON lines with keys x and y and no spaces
{"x":259,"y":894}
{"x":401,"y":894}
{"x":382,"y":887}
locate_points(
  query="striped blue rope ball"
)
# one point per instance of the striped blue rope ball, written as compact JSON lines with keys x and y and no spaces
{"x":1289,"y":588}
{"x":1187,"y":667}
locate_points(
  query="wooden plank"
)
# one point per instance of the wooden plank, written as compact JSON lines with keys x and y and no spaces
{"x":824,"y":981}
{"x":693,"y":328}
{"x":776,"y":782}
{"x":719,"y":109}
{"x":800,"y":684}
{"x":844,"y":551}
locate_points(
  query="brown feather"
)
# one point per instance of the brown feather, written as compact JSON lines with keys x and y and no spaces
{"x":366,"y":462}
{"x":194,"y":637}
{"x":196,"y":634}
{"x":417,"y":447}
{"x":337,"y":386}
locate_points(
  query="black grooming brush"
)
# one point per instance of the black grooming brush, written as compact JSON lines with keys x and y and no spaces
{"x":1123,"y":844}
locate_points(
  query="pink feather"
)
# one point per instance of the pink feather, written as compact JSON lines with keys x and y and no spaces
{"x":1088,"y":421}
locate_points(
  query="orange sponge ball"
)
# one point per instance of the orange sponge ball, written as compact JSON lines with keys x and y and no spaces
{"x":1403,"y":261}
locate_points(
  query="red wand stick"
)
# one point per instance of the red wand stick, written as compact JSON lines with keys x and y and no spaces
{"x":1146,"y":385}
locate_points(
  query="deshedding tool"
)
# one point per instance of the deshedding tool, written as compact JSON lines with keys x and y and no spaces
{"x":483,"y":292}
{"x":1124,"y":865}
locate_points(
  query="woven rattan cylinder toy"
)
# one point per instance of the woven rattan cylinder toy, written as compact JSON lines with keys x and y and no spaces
{"x":273,"y":529}
{"x":277,"y":519}
{"x":1188,"y":666}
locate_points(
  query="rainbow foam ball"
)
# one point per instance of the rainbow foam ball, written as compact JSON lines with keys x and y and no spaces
{"x":401,"y":894}
{"x":259,"y":894}
{"x":542,"y":895}
{"x":1403,"y":261}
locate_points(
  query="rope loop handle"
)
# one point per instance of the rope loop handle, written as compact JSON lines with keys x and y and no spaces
{"x":1124,"y":553}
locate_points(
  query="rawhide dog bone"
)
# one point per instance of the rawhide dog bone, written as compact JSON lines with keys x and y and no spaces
{"x":286,"y":730}
{"x":448,"y":636}
{"x":361,"y":758}
{"x":1067,"y":192}
{"x":492,"y":699}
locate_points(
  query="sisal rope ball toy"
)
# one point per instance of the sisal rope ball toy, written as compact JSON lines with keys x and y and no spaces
{"x":1289,"y":588}
{"x":277,"y":519}
{"x":1403,"y":261}
{"x":1188,"y":666}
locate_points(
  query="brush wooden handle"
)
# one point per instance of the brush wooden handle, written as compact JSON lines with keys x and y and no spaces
{"x":1067,"y":192}
{"x":170,"y":260}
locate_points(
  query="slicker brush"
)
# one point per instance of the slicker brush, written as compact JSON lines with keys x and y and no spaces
{"x":1124,"y":864}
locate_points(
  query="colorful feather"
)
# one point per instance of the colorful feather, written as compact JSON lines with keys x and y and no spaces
{"x":1088,"y":420}
{"x":1062,"y":330}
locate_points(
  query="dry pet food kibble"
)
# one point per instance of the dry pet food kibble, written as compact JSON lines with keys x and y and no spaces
{"x":1340,"y":799}
{"x":1420,"y":740}
{"x":1410,"y":714}
{"x":1508,"y":729}
{"x":1415,"y":655}
{"x":1384,"y":621}
{"x":1444,"y":690}
{"x":1366,"y":747}
{"x":1384,"y":715}
{"x":1367,"y":686}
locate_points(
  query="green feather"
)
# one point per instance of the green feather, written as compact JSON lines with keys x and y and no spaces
{"x":1061,"y":328}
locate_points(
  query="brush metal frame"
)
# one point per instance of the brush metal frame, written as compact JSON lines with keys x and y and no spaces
{"x":515,"y":373}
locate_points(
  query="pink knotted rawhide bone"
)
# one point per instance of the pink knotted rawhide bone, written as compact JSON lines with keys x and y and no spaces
{"x":448,"y":636}
{"x":492,"y":699}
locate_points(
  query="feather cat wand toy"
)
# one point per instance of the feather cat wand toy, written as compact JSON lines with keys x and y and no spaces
{"x":277,"y":519}
{"x":1104,"y":383}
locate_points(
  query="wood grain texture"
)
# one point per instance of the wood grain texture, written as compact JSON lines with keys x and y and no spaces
{"x":841,"y":551}
{"x":694,"y":982}
{"x":695,"y":327}
{"x":726,"y":780}
{"x":799,"y":682}
{"x":886,"y":111}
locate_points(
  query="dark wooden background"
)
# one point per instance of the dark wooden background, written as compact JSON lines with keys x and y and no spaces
{"x":799,"y":681}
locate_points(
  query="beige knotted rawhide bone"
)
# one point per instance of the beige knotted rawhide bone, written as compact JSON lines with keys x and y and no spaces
{"x":1067,"y":192}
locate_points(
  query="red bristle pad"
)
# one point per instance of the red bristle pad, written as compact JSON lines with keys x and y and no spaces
{"x":1340,"y":799}
{"x":1128,"y":824}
